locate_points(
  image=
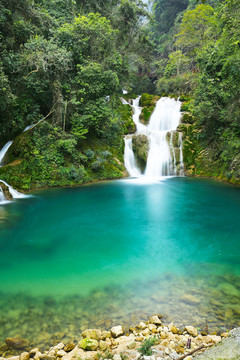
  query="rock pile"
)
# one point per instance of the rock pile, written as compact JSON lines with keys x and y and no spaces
{"x":170,"y":343}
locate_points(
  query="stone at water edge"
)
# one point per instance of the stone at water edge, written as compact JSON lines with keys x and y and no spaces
{"x":88,"y":344}
{"x":24,"y":356}
{"x":69,"y":347}
{"x":117,"y":331}
{"x":191,"y":330}
{"x":155,"y":320}
{"x":105,"y":335}
{"x":141,"y":326}
{"x":92,"y":334}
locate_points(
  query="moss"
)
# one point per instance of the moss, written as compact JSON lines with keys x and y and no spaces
{"x":148,"y":103}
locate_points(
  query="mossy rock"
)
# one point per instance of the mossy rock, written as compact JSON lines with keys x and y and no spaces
{"x":148,"y":103}
{"x":6,"y":191}
{"x":175,"y":138}
{"x":88,"y":344}
{"x":140,"y":144}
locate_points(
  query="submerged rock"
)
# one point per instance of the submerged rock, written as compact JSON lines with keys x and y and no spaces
{"x":17,"y":343}
{"x":190,"y":299}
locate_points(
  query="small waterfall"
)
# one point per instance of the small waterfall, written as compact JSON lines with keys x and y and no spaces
{"x":2,"y":196}
{"x":165,"y":158}
{"x":129,"y":158}
{"x":4,"y":150}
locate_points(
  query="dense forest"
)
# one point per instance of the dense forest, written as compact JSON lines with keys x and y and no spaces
{"x":64,"y":65}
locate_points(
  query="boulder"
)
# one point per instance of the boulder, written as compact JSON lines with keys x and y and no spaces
{"x":117,"y":331}
{"x":155,"y":320}
{"x":88,"y":344}
{"x":140,"y":145}
{"x":141,"y":326}
{"x":191,"y":330}
{"x":103,"y":345}
{"x":92,"y":334}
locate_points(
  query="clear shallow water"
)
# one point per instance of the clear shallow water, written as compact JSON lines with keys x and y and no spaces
{"x":117,"y":252}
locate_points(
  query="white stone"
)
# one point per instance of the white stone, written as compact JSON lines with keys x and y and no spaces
{"x":117,"y":331}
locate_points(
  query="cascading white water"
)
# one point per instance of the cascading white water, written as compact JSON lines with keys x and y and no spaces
{"x":2,"y":196}
{"x":4,"y":150}
{"x":161,"y":159}
{"x":165,"y":118}
{"x":129,"y":158}
{"x":15,"y":194}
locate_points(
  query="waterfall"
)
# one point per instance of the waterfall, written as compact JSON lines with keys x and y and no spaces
{"x":2,"y":196}
{"x":4,"y":150}
{"x":129,"y":158}
{"x":165,"y":118}
{"x":165,"y":156}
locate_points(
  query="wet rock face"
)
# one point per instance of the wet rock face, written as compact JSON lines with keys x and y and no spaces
{"x":6,"y":191}
{"x":140,"y":144}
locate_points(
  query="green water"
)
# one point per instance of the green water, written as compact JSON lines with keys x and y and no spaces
{"x":116,"y":252}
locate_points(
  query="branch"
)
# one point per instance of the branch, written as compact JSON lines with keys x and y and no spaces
{"x":33,"y":71}
{"x":193,"y":351}
{"x":51,"y":111}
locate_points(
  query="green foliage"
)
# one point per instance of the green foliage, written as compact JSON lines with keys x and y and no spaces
{"x":146,"y":347}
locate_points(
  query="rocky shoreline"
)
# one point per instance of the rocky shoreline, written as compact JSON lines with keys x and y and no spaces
{"x":150,"y":340}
